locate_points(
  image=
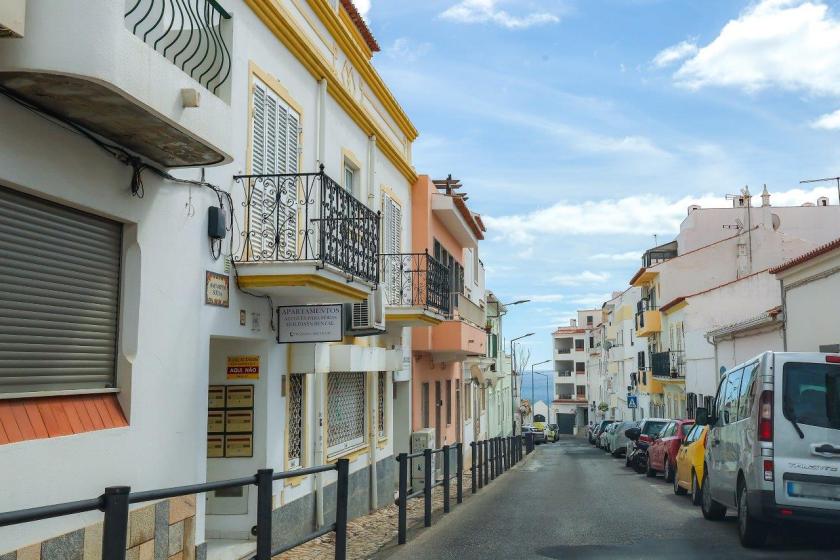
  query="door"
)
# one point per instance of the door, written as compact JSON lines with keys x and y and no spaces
{"x":683,"y":470}
{"x":438,"y":426}
{"x":566,"y":423}
{"x":723,"y":446}
{"x":656,"y":455}
{"x":807,"y":460}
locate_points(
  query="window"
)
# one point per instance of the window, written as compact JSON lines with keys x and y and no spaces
{"x":730,"y":397}
{"x":492,"y":345}
{"x":346,"y":411}
{"x":424,"y":405}
{"x":349,"y":177}
{"x":580,"y":367}
{"x":381,"y":385}
{"x":745,"y":400}
{"x":589,"y":320}
{"x":275,"y":149}
{"x":812,"y":394}
{"x":578,"y":344}
{"x":448,"y":401}
{"x":294,"y":405}
{"x":581,"y":391}
{"x":60,"y":294}
{"x":592,"y":342}
{"x":397,"y":287}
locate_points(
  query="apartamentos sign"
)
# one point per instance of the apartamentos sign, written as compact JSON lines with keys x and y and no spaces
{"x":309,"y":323}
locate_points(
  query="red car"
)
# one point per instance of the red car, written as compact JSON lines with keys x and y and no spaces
{"x":662,"y":454}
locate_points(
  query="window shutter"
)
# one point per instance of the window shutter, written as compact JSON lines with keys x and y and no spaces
{"x":259,"y":166}
{"x":393,"y":246}
{"x":60,"y":271}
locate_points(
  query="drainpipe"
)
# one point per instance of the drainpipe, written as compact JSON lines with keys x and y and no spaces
{"x":319,"y":445}
{"x":784,"y":311}
{"x":321,"y":122}
{"x":374,"y":432}
{"x":371,"y":175}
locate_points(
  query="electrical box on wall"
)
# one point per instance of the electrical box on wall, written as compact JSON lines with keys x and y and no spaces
{"x":216,"y":223}
{"x":420,"y":440}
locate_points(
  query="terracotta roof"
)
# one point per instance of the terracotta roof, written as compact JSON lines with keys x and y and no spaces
{"x":828,"y":247}
{"x":636,"y":276}
{"x":673,"y":303}
{"x":475,"y":226}
{"x":360,"y":24}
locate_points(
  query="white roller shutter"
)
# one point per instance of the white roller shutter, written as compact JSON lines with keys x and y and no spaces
{"x":59,"y":296}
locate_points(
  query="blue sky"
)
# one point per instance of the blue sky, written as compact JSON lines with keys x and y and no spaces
{"x":582,"y":128}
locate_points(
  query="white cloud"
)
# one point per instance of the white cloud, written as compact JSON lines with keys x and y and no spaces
{"x":788,"y":44}
{"x":829,"y":121}
{"x":580,"y":278}
{"x":487,"y":11}
{"x":363,"y":6}
{"x":407,"y":50}
{"x":617,"y":257}
{"x":675,"y":53}
{"x":591,"y":300}
{"x":645,"y":214}
{"x":546,"y":298}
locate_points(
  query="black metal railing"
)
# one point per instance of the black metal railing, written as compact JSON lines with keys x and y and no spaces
{"x":116,"y":499}
{"x":490,"y":458}
{"x":309,"y":217}
{"x":668,"y":364}
{"x":416,"y":279}
{"x":189,"y":33}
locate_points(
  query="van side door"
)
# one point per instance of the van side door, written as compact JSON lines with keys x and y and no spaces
{"x":727,"y":477}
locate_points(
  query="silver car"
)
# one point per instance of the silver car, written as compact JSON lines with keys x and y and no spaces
{"x":616,"y":439}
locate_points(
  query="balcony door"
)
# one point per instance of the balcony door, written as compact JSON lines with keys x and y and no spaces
{"x":275,"y":151}
{"x":398,"y":288}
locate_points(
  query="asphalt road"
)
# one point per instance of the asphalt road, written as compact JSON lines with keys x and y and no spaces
{"x":571,"y":501}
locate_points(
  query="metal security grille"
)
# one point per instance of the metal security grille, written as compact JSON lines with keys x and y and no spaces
{"x":59,"y":296}
{"x":380,"y":403}
{"x":295,"y":436}
{"x":346,"y":404}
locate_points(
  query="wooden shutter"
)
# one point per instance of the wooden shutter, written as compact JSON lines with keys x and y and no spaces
{"x":59,"y":296}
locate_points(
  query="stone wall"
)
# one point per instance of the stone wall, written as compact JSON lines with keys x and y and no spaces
{"x":161,"y":531}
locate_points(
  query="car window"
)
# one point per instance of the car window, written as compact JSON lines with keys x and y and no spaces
{"x":694,"y":434}
{"x":812,"y":394}
{"x":653,"y":428}
{"x":685,"y":429}
{"x":730,"y":397}
{"x":745,"y":400}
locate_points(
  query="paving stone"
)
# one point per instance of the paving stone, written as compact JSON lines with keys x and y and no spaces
{"x":31,"y":552}
{"x":147,"y":550}
{"x":141,"y":526}
{"x":65,"y":547}
{"x":93,"y":542}
{"x":189,"y":538}
{"x":9,"y":555}
{"x":162,"y":530}
{"x":201,"y":551}
{"x":180,"y":508}
{"x":176,"y":538}
{"x":133,"y":553}
{"x":178,"y":556}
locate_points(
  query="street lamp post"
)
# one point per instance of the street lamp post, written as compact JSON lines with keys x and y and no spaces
{"x":532,"y":381}
{"x":513,"y":374}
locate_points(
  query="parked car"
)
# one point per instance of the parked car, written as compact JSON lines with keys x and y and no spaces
{"x":617,"y":438}
{"x":689,"y":473}
{"x":540,"y":435}
{"x":604,"y":438}
{"x":590,"y":429}
{"x":553,"y":433}
{"x":599,"y":427}
{"x":662,"y":454}
{"x":773,"y":449}
{"x":636,"y":454}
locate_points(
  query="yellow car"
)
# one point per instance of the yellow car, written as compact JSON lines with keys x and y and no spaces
{"x":690,"y":464}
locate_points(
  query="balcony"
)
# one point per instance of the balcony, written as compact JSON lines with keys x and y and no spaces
{"x":307,"y":239}
{"x":452,"y":211}
{"x":464,"y":309}
{"x":648,"y":321}
{"x":127,"y":71}
{"x":416,"y":289}
{"x":668,"y":364}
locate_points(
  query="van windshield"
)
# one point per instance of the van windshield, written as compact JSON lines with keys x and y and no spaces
{"x":812,"y":394}
{"x":653,"y":428}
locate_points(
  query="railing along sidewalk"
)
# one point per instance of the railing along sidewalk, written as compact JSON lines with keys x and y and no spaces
{"x":116,"y":500}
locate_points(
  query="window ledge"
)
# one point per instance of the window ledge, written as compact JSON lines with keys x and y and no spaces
{"x":351,"y":454}
{"x":69,"y":392}
{"x":295,"y":480}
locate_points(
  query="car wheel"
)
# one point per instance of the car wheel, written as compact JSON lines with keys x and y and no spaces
{"x":712,"y":510}
{"x":649,"y":472}
{"x":696,"y":491}
{"x":669,"y":471}
{"x":752,"y":532}
{"x":678,"y":490}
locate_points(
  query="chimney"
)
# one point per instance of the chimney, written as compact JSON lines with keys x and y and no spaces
{"x":822,"y":201}
{"x":693,"y":207}
{"x":572,"y":322}
{"x":765,"y":197}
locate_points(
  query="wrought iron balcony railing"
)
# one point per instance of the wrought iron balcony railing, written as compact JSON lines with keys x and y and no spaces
{"x":309,"y":217}
{"x":668,"y":364}
{"x":416,"y":280}
{"x":189,"y":33}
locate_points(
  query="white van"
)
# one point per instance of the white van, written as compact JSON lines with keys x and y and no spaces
{"x":773,"y":450}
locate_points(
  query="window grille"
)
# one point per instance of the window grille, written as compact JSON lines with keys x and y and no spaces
{"x":295,"y":412}
{"x":346,"y":404}
{"x":380,"y":403}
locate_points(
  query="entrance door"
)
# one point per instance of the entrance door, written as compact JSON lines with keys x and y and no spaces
{"x":566,"y":423}
{"x":438,"y":426}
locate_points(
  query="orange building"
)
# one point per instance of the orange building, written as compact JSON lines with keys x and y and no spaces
{"x":448,"y":360}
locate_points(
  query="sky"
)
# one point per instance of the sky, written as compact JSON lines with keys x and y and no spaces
{"x":582,"y":129}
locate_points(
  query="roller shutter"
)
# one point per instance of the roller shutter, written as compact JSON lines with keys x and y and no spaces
{"x":59,"y":294}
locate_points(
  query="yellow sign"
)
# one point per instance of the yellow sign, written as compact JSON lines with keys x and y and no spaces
{"x":215,"y":446}
{"x":240,"y":396}
{"x":215,"y":421}
{"x":239,"y":421}
{"x":239,"y":446}
{"x":216,"y":396}
{"x":243,"y":367}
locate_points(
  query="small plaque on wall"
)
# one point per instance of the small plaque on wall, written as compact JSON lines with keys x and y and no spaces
{"x":215,"y":446}
{"x":240,"y":396}
{"x":216,"y":396}
{"x":239,"y":421}
{"x":216,"y":289}
{"x":216,"y":422}
{"x":239,"y":446}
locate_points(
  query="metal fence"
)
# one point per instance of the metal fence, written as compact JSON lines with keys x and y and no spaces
{"x":416,"y":280}
{"x":309,"y":217}
{"x":188,"y":33}
{"x":116,"y":499}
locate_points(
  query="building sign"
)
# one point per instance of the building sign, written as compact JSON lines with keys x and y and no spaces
{"x":243,"y":367}
{"x":239,"y":446}
{"x":216,"y":289}
{"x":309,"y":323}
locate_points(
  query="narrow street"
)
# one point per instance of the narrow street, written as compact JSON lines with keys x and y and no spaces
{"x":573,"y":501}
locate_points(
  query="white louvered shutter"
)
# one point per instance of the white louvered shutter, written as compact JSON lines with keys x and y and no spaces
{"x":392,"y":233}
{"x":59,"y":296}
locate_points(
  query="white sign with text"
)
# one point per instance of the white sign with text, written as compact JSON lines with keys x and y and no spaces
{"x":309,"y":323}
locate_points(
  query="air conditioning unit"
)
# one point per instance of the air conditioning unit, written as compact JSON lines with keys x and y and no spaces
{"x":367,"y":317}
